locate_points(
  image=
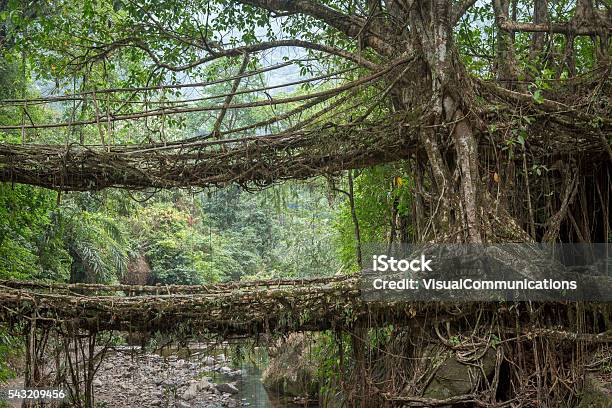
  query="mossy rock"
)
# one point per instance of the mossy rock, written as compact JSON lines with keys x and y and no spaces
{"x":452,"y":378}
{"x":291,"y":372}
{"x":596,"y":393}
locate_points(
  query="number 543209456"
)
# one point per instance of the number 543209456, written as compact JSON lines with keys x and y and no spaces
{"x":36,"y":394}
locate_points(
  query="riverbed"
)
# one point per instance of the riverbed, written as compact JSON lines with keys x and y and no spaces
{"x":131,"y":378}
{"x":128,"y":377}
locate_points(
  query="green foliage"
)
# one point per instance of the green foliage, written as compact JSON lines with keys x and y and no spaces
{"x":378,"y":192}
{"x":97,"y":244}
{"x":286,"y":231}
{"x":332,"y":353}
{"x":476,"y":37}
{"x":10,"y":350}
{"x":92,"y":237}
{"x":30,"y":243}
{"x":176,"y":251}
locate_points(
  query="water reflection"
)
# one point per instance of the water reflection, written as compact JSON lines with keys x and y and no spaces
{"x":252,"y":392}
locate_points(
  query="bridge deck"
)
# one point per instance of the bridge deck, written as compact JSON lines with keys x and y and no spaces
{"x":231,"y":309}
{"x":245,"y":309}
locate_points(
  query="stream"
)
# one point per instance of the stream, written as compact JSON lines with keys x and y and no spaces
{"x":177,"y":378}
{"x":251,"y":391}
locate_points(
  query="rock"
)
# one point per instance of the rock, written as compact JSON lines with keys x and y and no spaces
{"x":168,"y":383}
{"x":205,"y":384}
{"x":195,"y":388}
{"x":452,"y":378}
{"x":227,"y":388}
{"x":234,"y":375}
{"x":191,"y":392}
{"x":225,"y":370}
{"x":155,"y":382}
{"x":595,"y":393}
{"x":291,"y":371}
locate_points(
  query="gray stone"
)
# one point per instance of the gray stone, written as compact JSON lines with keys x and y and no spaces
{"x":234,"y":375}
{"x":208,"y":360}
{"x":191,"y":392}
{"x":452,"y":378}
{"x":225,"y":370}
{"x":205,"y":384}
{"x":227,"y":388}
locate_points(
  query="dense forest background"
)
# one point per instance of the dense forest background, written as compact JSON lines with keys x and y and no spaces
{"x":188,"y":236}
{"x":510,"y":141}
{"x":179,"y":236}
{"x":184,"y":236}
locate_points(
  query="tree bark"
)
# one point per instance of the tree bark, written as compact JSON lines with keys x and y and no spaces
{"x":351,"y":195}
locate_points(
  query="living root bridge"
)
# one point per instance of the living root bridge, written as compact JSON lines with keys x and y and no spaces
{"x":250,"y":161}
{"x":230,"y":310}
{"x":248,"y":309}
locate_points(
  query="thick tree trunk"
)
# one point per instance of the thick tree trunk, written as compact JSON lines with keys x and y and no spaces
{"x":448,"y":142}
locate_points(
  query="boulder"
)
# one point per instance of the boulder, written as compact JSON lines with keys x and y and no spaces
{"x":234,"y":375}
{"x":453,"y":378}
{"x":204,"y":384}
{"x":227,"y":388}
{"x":595,"y":393}
{"x":195,"y":387}
{"x":225,"y":370}
{"x":190,"y":393}
{"x":292,"y":371}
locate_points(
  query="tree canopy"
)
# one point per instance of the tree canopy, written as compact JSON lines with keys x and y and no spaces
{"x":463,"y":121}
{"x":494,"y":104}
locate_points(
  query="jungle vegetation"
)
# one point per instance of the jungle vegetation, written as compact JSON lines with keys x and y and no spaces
{"x":199,"y":141}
